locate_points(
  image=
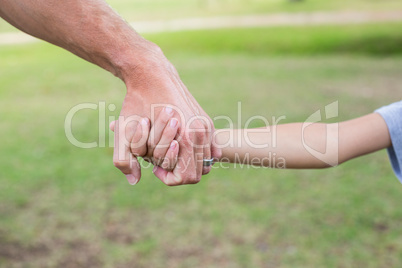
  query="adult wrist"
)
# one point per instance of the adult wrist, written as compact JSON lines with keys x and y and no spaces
{"x":142,"y":59}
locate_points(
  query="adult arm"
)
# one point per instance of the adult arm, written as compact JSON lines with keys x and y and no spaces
{"x":93,"y":31}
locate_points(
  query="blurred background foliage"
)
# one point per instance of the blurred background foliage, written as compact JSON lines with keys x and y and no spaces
{"x":62,"y":206}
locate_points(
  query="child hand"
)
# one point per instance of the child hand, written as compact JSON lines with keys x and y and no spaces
{"x":156,"y":145}
{"x":160,"y":147}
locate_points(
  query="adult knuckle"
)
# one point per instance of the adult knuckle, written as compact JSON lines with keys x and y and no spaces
{"x":193,"y":178}
{"x":196,"y":180}
{"x":186,"y":139}
{"x":199,"y":135}
{"x":192,"y":137}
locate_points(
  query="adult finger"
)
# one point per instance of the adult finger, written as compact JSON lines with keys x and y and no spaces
{"x":199,"y":157}
{"x":196,"y":136}
{"x":207,"y":146}
{"x":167,"y":177}
{"x":139,"y":141}
{"x":122,"y":156}
{"x":188,"y":169}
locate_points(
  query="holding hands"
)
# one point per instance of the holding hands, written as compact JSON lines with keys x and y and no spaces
{"x":152,"y":84}
{"x":157,"y":144}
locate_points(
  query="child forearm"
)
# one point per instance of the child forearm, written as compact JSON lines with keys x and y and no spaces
{"x":299,"y":145}
{"x":278,"y":146}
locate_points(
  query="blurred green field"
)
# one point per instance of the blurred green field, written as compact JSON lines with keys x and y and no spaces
{"x":170,"y":9}
{"x":369,"y":39}
{"x":62,"y":206}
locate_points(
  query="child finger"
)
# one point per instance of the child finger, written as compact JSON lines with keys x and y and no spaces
{"x":170,"y":160}
{"x":157,"y":129}
{"x":168,"y":135}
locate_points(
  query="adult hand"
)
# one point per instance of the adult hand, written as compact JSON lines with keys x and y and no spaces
{"x":151,"y":86}
{"x":94,"y":32}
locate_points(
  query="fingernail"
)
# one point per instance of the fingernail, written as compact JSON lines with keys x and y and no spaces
{"x":169,"y":110}
{"x":173,"y":145}
{"x":154,"y":169}
{"x":144,"y":121}
{"x":131,"y":179}
{"x":173,"y":123}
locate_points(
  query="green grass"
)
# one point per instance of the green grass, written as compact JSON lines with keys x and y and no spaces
{"x":370,"y":39}
{"x":62,"y":206}
{"x":163,"y":9}
{"x":135,"y":10}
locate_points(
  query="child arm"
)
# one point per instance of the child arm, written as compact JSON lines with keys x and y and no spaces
{"x":289,"y":143}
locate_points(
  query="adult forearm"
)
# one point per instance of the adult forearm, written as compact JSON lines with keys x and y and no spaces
{"x":90,"y":29}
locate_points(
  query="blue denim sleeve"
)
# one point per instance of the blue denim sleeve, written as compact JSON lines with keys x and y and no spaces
{"x":392,"y":115}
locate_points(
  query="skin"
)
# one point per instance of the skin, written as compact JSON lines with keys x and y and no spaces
{"x":346,"y":140}
{"x":336,"y":143}
{"x":93,"y":31}
{"x":167,"y":149}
